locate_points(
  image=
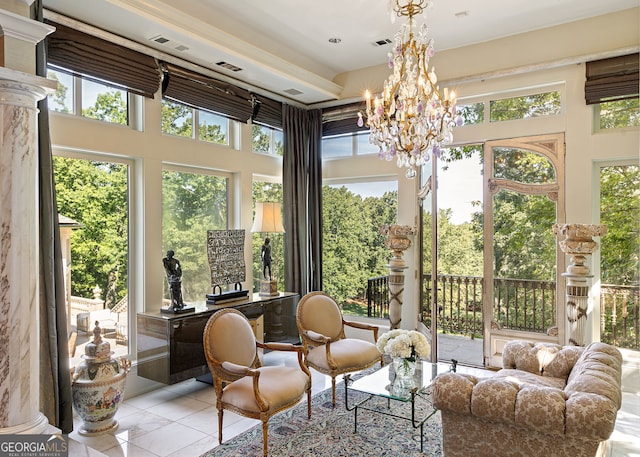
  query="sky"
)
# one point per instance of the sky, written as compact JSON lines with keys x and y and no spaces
{"x":458,"y":186}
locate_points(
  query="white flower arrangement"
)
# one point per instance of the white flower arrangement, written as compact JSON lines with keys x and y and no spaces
{"x":408,"y":344}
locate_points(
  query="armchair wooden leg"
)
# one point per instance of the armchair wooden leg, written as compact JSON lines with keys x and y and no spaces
{"x":309,"y":403}
{"x":265,"y":437}
{"x":220,"y":426}
{"x":333,"y":391}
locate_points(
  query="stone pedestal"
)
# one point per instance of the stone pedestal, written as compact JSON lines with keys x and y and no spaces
{"x":576,"y":240}
{"x":398,"y":241}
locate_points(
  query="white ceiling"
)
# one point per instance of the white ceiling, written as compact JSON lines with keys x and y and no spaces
{"x":282,"y":45}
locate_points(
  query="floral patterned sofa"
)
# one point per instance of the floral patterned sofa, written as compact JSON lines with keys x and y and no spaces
{"x":548,"y":400}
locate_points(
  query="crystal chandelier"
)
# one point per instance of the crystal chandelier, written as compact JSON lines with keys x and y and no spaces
{"x":411,"y":119}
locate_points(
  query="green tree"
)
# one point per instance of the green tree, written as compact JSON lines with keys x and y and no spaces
{"x":268,"y":192}
{"x":95,"y":195}
{"x":211,"y":133}
{"x":525,"y":107}
{"x":620,"y":212}
{"x":261,"y":138}
{"x":621,"y":113}
{"x":524,"y":244}
{"x":177,"y":119}
{"x":192,"y":204}
{"x":58,"y":100}
{"x":353,"y":248}
{"x":109,"y":107}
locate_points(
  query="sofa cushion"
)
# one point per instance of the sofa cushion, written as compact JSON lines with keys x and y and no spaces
{"x":525,"y":378}
{"x":544,"y":359}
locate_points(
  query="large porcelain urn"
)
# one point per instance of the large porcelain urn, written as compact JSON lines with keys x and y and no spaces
{"x":97,"y":386}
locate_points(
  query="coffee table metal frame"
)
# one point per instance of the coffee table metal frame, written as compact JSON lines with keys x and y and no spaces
{"x":378,"y":384}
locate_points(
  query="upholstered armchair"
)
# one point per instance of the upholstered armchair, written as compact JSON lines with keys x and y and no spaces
{"x":326,"y":348}
{"x":241,"y":383}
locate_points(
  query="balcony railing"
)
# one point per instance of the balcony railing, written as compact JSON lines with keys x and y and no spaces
{"x":520,"y":304}
{"x":619,"y":322}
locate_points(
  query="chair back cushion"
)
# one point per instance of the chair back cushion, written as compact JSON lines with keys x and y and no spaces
{"x":320,"y":313}
{"x":229,"y":338}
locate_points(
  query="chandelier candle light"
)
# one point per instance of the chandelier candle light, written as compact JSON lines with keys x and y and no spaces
{"x":412,"y":118}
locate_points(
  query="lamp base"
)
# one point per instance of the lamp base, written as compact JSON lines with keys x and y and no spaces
{"x":268,"y":288}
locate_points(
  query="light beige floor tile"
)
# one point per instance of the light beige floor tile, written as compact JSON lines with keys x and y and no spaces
{"x":152,"y":398}
{"x":197,"y":448}
{"x":126,"y":449}
{"x":168,"y":439}
{"x":98,"y":442}
{"x":136,"y":425}
{"x":205,"y":421}
{"x":178,"y":408}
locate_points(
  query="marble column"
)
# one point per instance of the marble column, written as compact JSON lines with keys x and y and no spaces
{"x":19,"y":336}
{"x":398,"y":241}
{"x":576,"y":240}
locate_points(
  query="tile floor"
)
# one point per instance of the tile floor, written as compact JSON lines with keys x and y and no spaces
{"x":181,"y":421}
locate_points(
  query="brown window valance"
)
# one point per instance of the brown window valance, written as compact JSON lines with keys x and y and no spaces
{"x":616,"y":78}
{"x":342,"y":119}
{"x":203,"y":92}
{"x":106,"y":62}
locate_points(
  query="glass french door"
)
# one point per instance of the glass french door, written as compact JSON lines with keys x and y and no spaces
{"x":524,"y":195}
{"x":489,"y":268}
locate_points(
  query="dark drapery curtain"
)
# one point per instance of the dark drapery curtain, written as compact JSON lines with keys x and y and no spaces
{"x":55,"y":381}
{"x":302,"y":199}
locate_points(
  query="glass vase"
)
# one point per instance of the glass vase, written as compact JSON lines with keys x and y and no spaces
{"x":403,"y":382}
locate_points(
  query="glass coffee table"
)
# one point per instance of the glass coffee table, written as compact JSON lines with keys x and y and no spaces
{"x":380,"y":384}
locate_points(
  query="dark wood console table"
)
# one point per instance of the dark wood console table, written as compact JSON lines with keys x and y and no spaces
{"x":170,"y":345}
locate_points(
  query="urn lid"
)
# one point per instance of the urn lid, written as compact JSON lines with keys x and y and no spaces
{"x":97,"y":349}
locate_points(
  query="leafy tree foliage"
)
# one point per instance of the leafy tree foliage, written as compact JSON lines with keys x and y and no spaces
{"x":261,"y":138}
{"x":525,"y":107}
{"x":192,"y":204}
{"x":620,"y":211}
{"x":524,"y":244}
{"x":268,"y":192}
{"x":109,"y":107}
{"x":58,"y":100}
{"x":458,"y":250}
{"x":353,"y":248}
{"x":621,"y":113}
{"x":177,"y":119}
{"x":95,"y":195}
{"x":211,"y":133}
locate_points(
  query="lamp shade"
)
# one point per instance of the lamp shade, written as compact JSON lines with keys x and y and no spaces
{"x":268,"y":218}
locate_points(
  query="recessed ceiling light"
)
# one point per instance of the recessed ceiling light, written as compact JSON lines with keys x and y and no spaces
{"x":335,"y":40}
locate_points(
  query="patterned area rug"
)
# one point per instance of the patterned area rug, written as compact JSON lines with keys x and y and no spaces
{"x":330,"y":432}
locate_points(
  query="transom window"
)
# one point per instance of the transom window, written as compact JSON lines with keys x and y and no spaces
{"x":266,"y":140}
{"x":182,"y":120}
{"x":88,"y":98}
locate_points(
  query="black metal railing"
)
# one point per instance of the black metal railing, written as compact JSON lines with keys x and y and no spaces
{"x":520,"y":304}
{"x":619,"y":321}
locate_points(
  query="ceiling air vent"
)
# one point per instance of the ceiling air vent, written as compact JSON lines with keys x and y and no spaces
{"x":181,"y":48}
{"x":382,"y":42}
{"x":160,"y":39}
{"x":228,"y":66}
{"x":293,"y":91}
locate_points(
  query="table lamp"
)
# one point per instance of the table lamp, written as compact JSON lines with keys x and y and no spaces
{"x":268,"y":219}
